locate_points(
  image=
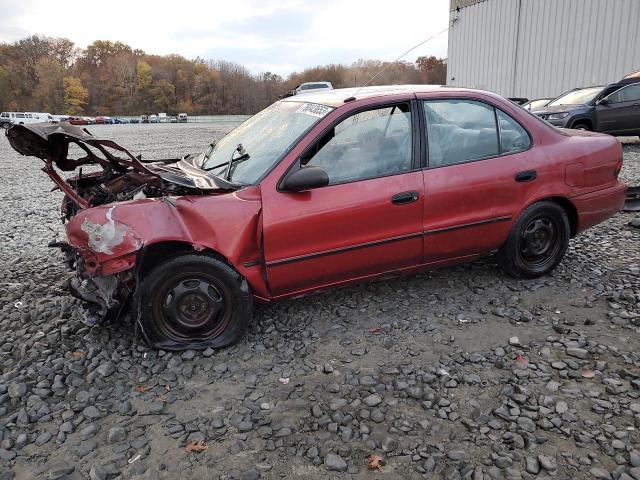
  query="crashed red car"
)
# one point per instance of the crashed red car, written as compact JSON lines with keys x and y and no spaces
{"x":317,"y":191}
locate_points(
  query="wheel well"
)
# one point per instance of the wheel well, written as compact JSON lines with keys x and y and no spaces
{"x":584,"y":121}
{"x":155,"y":254}
{"x":571,"y":211}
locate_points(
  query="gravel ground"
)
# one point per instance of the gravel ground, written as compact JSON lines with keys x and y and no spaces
{"x":457,"y":373}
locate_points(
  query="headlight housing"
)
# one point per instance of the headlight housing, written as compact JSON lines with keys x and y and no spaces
{"x":558,"y":116}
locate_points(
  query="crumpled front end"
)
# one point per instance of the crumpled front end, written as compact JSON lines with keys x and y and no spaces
{"x":102,"y":252}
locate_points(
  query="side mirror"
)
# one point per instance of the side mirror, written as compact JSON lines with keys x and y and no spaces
{"x":306,"y":178}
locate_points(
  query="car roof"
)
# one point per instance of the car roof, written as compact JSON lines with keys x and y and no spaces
{"x":337,"y":96}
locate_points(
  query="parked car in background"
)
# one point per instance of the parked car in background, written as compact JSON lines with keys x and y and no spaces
{"x":162,"y":117}
{"x":311,"y":87}
{"x":519,"y":100}
{"x":40,"y":117}
{"x":612,"y":109}
{"x":60,"y":118}
{"x":315,"y":192}
{"x":153,"y":119}
{"x":78,"y":121}
{"x":90,"y":120}
{"x":134,"y":120}
{"x":144,"y":118}
{"x":173,"y":120}
{"x":182,"y":118}
{"x":537,"y":103}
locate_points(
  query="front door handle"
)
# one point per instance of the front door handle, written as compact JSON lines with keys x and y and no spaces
{"x":405,"y":197}
{"x":526,"y":176}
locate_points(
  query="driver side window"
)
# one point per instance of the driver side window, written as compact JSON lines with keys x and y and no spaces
{"x":368,"y":144}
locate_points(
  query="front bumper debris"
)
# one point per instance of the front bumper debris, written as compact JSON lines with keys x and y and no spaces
{"x":102,"y":298}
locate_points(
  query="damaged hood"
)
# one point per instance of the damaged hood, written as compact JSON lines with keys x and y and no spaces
{"x":50,"y":142}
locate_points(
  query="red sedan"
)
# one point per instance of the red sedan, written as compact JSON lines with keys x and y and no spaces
{"x":317,"y":191}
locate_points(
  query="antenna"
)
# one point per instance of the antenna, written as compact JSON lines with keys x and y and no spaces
{"x":353,"y":97}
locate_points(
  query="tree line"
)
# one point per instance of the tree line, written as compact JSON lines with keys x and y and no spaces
{"x":52,"y":75}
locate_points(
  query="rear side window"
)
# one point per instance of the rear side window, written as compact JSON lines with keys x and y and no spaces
{"x":460,"y":131}
{"x":513,"y":138}
{"x":19,"y":115}
{"x":628,"y":94}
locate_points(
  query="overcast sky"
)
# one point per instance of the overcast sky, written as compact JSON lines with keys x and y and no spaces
{"x":277,"y":36}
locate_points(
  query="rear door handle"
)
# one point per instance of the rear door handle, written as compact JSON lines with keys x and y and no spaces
{"x":405,"y":197}
{"x":526,"y":176}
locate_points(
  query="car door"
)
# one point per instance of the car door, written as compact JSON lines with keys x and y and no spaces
{"x":620,"y":113}
{"x":477,"y":176}
{"x":368,"y":220}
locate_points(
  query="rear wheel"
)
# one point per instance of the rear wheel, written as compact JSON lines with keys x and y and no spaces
{"x":537,"y":242}
{"x":193,"y":302}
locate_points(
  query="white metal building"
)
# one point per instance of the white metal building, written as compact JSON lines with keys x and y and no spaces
{"x":541,"y":48}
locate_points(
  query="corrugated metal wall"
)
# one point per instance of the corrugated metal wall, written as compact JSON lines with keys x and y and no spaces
{"x":540,"y":48}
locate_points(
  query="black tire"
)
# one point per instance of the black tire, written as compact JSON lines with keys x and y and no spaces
{"x":193,"y":302}
{"x":537,"y":242}
{"x":582,"y":126}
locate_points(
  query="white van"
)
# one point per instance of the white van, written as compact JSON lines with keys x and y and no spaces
{"x":21,"y":118}
{"x":182,"y":118}
{"x":162,"y":117}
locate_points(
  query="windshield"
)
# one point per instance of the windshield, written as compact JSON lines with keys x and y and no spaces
{"x":577,"y":97}
{"x":265,"y":137}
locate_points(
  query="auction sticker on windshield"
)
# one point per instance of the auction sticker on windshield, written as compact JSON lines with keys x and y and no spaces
{"x":314,"y":109}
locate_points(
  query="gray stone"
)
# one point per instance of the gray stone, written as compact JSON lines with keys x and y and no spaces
{"x":532,"y":466}
{"x":91,"y":412}
{"x":17,"y":390}
{"x":106,"y":369}
{"x":116,"y":435}
{"x":372,"y":400}
{"x":600,"y":473}
{"x":577,"y":353}
{"x":335,"y":463}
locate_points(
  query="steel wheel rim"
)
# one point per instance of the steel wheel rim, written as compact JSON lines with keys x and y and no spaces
{"x":539,"y":241}
{"x":192,"y":306}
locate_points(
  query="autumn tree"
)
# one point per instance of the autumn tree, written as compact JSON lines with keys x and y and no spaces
{"x":49,"y":91}
{"x":111,"y":78}
{"x":144,"y":81}
{"x":432,"y":70}
{"x":75,"y":96}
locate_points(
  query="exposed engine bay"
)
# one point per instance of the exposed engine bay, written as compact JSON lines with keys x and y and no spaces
{"x":118,"y":179}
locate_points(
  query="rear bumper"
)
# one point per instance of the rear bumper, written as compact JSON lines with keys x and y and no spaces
{"x":596,"y":207}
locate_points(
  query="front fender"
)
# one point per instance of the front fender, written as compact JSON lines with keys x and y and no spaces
{"x":110,"y":236}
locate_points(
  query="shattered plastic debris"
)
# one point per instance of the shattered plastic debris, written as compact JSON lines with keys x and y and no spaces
{"x":521,"y":362}
{"x":134,"y":459}
{"x":18,"y":304}
{"x":284,"y":380}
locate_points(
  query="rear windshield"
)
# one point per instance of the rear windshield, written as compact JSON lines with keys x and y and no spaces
{"x":577,"y":97}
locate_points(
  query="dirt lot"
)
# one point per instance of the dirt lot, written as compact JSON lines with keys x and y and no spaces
{"x":457,"y":373}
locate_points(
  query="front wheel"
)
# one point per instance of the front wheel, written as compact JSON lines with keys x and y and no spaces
{"x":193,"y":302}
{"x":537,"y":242}
{"x":582,"y":126}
